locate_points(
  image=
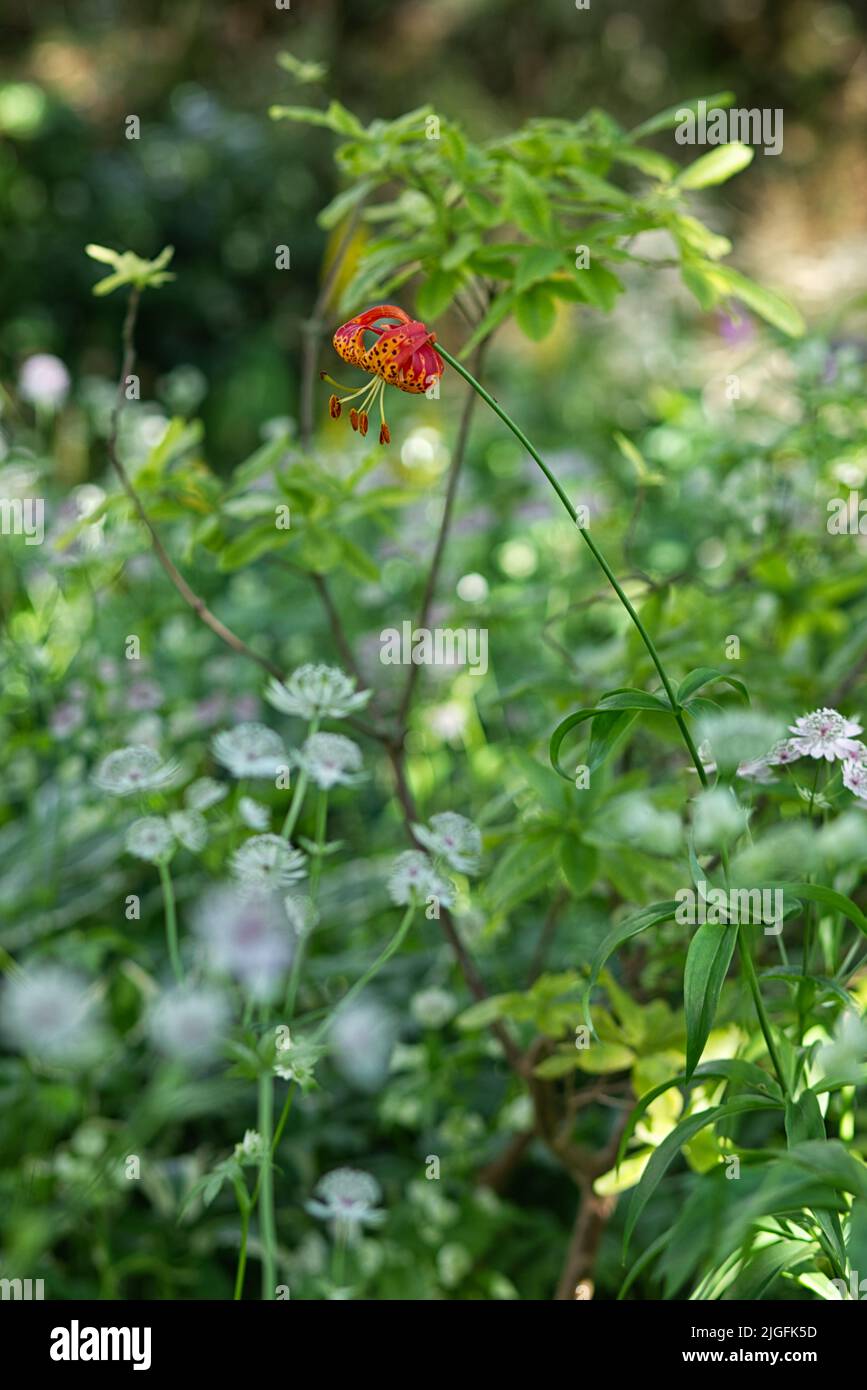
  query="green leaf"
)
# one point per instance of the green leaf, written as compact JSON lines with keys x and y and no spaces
{"x":613,"y":731}
{"x":624,"y":931}
{"x":526,"y":203}
{"x":716,"y":166}
{"x":336,"y":118}
{"x":535,"y":313}
{"x":803,"y":1119}
{"x":537,"y":263}
{"x":856,"y":1243}
{"x":705,"y":675}
{"x":707,"y":961}
{"x":672,"y":115}
{"x":437,"y":293}
{"x":664,"y":1156}
{"x":579,"y":863}
{"x":306,"y":72}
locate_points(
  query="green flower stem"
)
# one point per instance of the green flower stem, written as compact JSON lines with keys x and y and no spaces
{"x":368,"y":975}
{"x":171,"y":921}
{"x":298,"y":795}
{"x":749,"y":967}
{"x":246,"y":1208}
{"x":594,"y":548}
{"x":267,"y":1227}
{"x":315,"y":871}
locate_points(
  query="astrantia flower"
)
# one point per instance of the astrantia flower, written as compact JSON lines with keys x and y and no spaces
{"x":188,"y":1023}
{"x":250,"y":750}
{"x":267,"y":862}
{"x":413,"y":879}
{"x":317,"y":692}
{"x":151,"y":839}
{"x":44,"y":380}
{"x":454,"y":838}
{"x":330,"y":760}
{"x":137,"y":768}
{"x":855,"y":775}
{"x":348,"y":1198}
{"x":190,"y":828}
{"x":301,"y":913}
{"x":781,"y":754}
{"x":401,"y":354}
{"x":826,"y":734}
{"x":246,"y":937}
{"x":362,"y":1037}
{"x":204,"y":793}
{"x":49,"y":1013}
{"x":433,"y":1008}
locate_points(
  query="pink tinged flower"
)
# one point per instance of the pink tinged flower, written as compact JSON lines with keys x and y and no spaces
{"x":826,"y":734}
{"x":783,"y":753}
{"x":855,"y":776}
{"x":246,"y":937}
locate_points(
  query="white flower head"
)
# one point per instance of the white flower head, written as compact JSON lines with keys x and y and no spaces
{"x":317,"y":692}
{"x":362,"y":1037}
{"x":782,"y":754}
{"x":204,"y":793}
{"x":301,"y":913}
{"x":265,"y":863}
{"x":151,"y":839}
{"x":330,"y":760}
{"x":454,"y":838}
{"x":190,"y":828}
{"x":246,"y":937}
{"x":253,"y":813}
{"x":413,"y":879}
{"x":347,"y":1197}
{"x":49,"y":1013}
{"x":718,"y":819}
{"x":433,"y":1008}
{"x":826,"y":734}
{"x":188,"y":1023}
{"x":44,"y":380}
{"x":250,"y":750}
{"x":137,"y":768}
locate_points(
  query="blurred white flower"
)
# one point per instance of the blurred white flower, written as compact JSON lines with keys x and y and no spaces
{"x":330,"y":760}
{"x":204,"y":793}
{"x":433,"y":1008}
{"x":49,"y":1013}
{"x":454,"y":838}
{"x":717,"y":818}
{"x":250,"y":750}
{"x":151,"y":839}
{"x":266,"y":863}
{"x":362,"y":1037}
{"x":737,"y":736}
{"x":317,"y":692}
{"x":254,"y":813}
{"x":190,"y":828}
{"x":347,"y":1197}
{"x":301,"y":913}
{"x":128,"y":771}
{"x":413,"y":879}
{"x":780,"y":755}
{"x":188,"y":1023}
{"x":246,"y":937}
{"x":44,"y":380}
{"x":296,"y":1061}
{"x":826,"y":734}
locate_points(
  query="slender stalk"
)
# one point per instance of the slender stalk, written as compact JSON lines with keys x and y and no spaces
{"x":267,"y":1226}
{"x":315,"y":871}
{"x":298,"y":795}
{"x":171,"y":921}
{"x":594,"y":548}
{"x":755,"y":991}
{"x":368,"y":975}
{"x":246,"y":1208}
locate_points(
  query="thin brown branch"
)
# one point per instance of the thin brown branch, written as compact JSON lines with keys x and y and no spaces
{"x":189,"y":596}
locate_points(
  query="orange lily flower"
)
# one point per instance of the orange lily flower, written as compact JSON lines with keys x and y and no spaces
{"x":401,"y":355}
